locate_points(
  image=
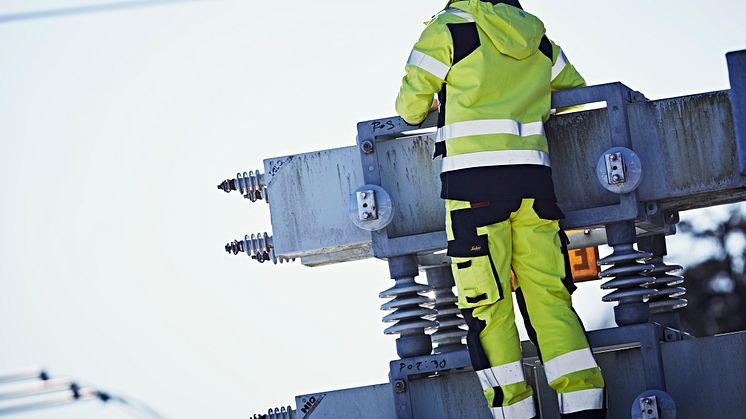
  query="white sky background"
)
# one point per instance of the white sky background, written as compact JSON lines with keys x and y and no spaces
{"x":116,"y":127}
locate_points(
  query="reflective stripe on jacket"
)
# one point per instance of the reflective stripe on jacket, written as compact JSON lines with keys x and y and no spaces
{"x":491,"y":66}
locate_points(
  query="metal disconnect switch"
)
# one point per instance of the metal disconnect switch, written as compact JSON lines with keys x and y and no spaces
{"x":366,"y":205}
{"x":615,"y":168}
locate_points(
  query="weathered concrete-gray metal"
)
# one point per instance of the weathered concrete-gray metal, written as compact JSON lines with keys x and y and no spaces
{"x":687,"y":147}
{"x":737,"y":74}
{"x":309,"y":205}
{"x":704,"y":376}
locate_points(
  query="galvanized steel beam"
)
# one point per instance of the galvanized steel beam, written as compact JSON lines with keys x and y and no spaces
{"x":687,"y":146}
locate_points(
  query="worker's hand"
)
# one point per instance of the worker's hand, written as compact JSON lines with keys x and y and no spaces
{"x":434,"y":107}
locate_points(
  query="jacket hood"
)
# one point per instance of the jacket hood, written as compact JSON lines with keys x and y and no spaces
{"x":513,"y":31}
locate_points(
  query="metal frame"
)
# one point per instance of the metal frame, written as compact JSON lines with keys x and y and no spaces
{"x":648,"y":336}
{"x":401,"y":371}
{"x":737,"y":74}
{"x":369,"y":134}
{"x":616,"y":96}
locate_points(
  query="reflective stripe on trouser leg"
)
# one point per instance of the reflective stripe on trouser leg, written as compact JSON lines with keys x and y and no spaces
{"x":493,"y":340}
{"x":507,"y":393}
{"x":581,"y":359}
{"x":501,"y":375}
{"x":580,"y":400}
{"x":539,"y":266}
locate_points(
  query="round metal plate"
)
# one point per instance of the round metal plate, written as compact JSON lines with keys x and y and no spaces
{"x":632,"y":173}
{"x":384,"y":206}
{"x":665,"y":406}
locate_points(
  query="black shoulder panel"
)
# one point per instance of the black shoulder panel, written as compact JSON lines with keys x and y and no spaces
{"x":546,"y":48}
{"x":465,"y":39}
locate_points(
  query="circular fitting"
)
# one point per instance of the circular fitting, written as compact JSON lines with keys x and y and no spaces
{"x":367,"y":146}
{"x":619,"y":170}
{"x":400,"y":386}
{"x":653,"y":403}
{"x":377,"y":211}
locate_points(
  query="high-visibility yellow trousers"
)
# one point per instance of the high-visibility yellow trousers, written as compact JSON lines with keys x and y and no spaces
{"x":486,"y":241}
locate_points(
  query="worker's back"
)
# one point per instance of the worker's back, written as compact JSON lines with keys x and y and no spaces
{"x":504,"y":75}
{"x":493,"y":69}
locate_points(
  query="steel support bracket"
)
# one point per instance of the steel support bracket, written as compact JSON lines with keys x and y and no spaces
{"x":737,"y":74}
{"x":403,"y":371}
{"x":648,"y":336}
{"x":623,"y":180}
{"x":369,"y":133}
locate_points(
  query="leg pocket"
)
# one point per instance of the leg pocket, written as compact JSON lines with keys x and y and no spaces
{"x":476,"y":280}
{"x":547,"y":210}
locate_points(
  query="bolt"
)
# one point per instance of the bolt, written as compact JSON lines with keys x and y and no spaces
{"x":616,"y":178}
{"x":227,"y":185}
{"x":647,"y":401}
{"x":366,"y":215}
{"x":234,"y":247}
{"x":363,"y":195}
{"x":367,"y":146}
{"x":613,"y":157}
{"x":400,"y":386}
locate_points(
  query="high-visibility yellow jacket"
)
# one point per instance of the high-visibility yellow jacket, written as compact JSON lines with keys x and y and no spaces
{"x":494,"y":70}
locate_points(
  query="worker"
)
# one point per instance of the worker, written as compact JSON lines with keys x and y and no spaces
{"x":493,"y":70}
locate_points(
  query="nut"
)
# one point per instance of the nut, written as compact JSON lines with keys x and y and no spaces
{"x":367,"y":146}
{"x":400,"y":386}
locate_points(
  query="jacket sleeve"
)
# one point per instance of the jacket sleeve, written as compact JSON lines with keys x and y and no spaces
{"x":564,"y":74}
{"x":426,"y":71}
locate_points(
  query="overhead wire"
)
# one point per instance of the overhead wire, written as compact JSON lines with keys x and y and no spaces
{"x":34,"y":389}
{"x":86,"y":9}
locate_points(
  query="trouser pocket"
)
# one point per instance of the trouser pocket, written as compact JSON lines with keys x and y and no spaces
{"x":476,"y":278}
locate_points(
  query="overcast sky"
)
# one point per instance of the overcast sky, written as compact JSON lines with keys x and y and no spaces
{"x":116,"y":127}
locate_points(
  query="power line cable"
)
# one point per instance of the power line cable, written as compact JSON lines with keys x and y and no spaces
{"x":79,"y":10}
{"x":33,"y":389}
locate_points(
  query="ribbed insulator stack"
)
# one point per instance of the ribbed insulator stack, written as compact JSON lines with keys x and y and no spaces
{"x":629,"y":274}
{"x":408,"y":306}
{"x":257,"y":246}
{"x":409,"y":312}
{"x":277,"y":413}
{"x":449,"y":335}
{"x":250,"y":184}
{"x":666,"y":281}
{"x":667,"y":277}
